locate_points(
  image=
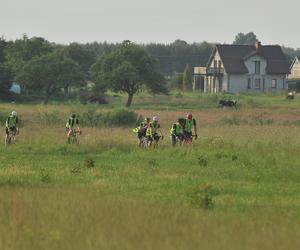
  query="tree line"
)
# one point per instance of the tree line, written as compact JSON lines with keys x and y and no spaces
{"x":45,"y":68}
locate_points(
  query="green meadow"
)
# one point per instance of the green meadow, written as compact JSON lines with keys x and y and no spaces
{"x":237,"y":187}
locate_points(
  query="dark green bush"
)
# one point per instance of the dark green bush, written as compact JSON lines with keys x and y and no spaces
{"x":202,"y":161}
{"x":202,"y":197}
{"x":117,"y":118}
{"x":45,"y":176}
{"x":89,"y":162}
{"x":122,"y":117}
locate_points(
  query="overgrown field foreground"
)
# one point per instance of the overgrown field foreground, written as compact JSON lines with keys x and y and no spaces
{"x":53,"y":198}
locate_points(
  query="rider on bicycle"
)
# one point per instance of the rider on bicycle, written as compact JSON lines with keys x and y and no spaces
{"x":12,"y":124}
{"x":177,"y":132}
{"x":72,"y":126}
{"x":189,"y":126}
{"x":141,"y":130}
{"x":152,"y":132}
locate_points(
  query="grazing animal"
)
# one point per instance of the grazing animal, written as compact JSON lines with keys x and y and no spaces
{"x":228,"y":103}
{"x":291,"y":96}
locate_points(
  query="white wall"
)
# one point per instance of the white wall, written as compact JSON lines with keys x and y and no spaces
{"x":236,"y":83}
{"x":250,"y":65}
{"x":295,"y":70}
{"x":239,"y":83}
{"x":218,"y":58}
{"x":209,"y":84}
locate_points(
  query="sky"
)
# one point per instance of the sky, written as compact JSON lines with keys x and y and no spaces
{"x":159,"y":21}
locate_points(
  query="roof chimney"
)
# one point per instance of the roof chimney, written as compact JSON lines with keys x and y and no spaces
{"x":257,"y":45}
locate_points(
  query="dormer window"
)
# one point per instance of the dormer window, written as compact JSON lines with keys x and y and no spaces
{"x":257,"y":67}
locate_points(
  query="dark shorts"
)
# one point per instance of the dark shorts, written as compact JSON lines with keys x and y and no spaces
{"x":13,"y":129}
{"x":141,"y":135}
{"x":188,"y":135}
{"x":154,"y":137}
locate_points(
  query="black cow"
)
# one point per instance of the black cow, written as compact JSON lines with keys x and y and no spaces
{"x":228,"y":103}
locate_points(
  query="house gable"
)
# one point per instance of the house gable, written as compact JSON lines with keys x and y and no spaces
{"x":234,"y":56}
{"x":295,"y":70}
{"x":250,"y":64}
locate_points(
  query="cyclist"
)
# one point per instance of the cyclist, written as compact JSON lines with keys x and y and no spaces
{"x":72,"y":126}
{"x":152,"y":132}
{"x":12,"y":124}
{"x":177,"y":132}
{"x":141,"y":130}
{"x":189,"y":126}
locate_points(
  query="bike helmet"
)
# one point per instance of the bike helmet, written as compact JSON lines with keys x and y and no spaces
{"x":14,"y":113}
{"x":189,"y":116}
{"x":155,"y":118}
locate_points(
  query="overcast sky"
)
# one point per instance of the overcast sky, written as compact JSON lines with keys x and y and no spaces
{"x":65,"y":21}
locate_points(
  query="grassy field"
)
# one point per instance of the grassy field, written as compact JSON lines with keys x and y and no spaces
{"x":51,"y":198}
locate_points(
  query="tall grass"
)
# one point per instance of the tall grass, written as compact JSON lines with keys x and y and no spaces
{"x":86,"y":219}
{"x":108,"y":194}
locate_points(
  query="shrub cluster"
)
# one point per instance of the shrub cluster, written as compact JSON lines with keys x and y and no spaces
{"x":202,"y":196}
{"x":115,"y":118}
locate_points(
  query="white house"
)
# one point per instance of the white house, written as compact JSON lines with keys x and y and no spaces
{"x":244,"y":68}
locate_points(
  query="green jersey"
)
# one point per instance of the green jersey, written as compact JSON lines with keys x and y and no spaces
{"x":12,"y":121}
{"x":189,"y":124}
{"x":72,"y":123}
{"x":176,"y":129}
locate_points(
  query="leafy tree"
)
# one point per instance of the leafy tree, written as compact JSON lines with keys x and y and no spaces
{"x":187,"y":78}
{"x":5,"y":78}
{"x":6,"y":75}
{"x":49,"y":73}
{"x":171,"y":57}
{"x":3,"y":45}
{"x":84,"y":57}
{"x":176,"y":81}
{"x":130,"y":69}
{"x":22,"y":50}
{"x":245,"y":39}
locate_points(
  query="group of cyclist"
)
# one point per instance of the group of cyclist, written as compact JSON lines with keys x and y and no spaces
{"x":149,"y":132}
{"x":12,"y":126}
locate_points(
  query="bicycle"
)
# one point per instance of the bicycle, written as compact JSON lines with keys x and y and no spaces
{"x":188,"y":140}
{"x":73,"y":138}
{"x":156,"y":140}
{"x":144,"y":142}
{"x":177,"y":139}
{"x":10,"y":138}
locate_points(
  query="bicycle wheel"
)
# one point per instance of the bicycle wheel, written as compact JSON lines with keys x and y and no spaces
{"x":144,"y":143}
{"x":7,"y":140}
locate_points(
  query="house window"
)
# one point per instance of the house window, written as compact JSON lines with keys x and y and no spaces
{"x":257,"y":67}
{"x":274,"y":83}
{"x":257,"y":83}
{"x":249,"y":83}
{"x":219,"y":64}
{"x":215,"y":63}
